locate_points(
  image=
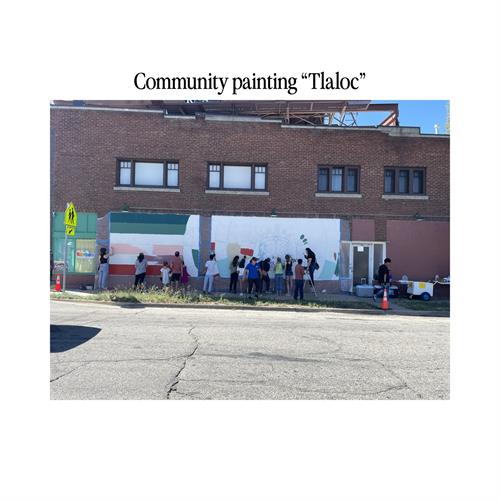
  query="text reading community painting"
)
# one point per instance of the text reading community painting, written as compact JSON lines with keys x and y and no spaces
{"x":273,"y":237}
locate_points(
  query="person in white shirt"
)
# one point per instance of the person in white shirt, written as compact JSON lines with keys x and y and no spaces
{"x":165,"y":274}
{"x":212,"y":271}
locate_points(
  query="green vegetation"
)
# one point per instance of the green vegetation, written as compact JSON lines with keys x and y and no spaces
{"x":157,"y":296}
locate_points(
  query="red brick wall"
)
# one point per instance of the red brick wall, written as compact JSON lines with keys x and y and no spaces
{"x":87,"y":143}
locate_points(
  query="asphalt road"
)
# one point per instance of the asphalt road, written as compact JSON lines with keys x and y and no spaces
{"x":110,"y":352}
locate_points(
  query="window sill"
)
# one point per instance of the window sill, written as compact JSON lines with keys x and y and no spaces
{"x":404,"y":197}
{"x":228,"y":191}
{"x":338,"y":195}
{"x":133,"y":188}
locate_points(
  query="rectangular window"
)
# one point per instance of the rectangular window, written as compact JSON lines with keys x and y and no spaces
{"x":144,"y":173}
{"x":149,"y":174}
{"x":172,"y":174}
{"x":239,"y":177}
{"x":352,"y":180}
{"x":323,"y":179}
{"x":85,"y":256}
{"x":389,"y":181}
{"x":260,"y":178}
{"x":338,"y":179}
{"x":214,"y":176}
{"x":125,"y":173}
{"x":418,"y":182}
{"x":404,"y":181}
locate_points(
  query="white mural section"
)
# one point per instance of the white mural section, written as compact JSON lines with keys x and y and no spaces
{"x":273,"y":237}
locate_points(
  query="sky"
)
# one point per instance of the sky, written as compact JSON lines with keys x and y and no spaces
{"x":423,"y":114}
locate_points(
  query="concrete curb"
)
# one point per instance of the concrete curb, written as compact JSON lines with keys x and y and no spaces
{"x":372,"y":312}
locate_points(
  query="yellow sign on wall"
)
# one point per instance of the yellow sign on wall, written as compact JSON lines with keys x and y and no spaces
{"x":70,"y":230}
{"x":70,"y":216}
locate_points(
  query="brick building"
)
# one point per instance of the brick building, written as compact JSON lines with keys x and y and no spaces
{"x":270,"y":179}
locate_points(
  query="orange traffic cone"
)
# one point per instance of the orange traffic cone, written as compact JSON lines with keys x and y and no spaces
{"x":58,"y":283}
{"x":385,"y":301}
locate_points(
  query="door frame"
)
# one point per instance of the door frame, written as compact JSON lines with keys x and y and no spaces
{"x":370,"y":245}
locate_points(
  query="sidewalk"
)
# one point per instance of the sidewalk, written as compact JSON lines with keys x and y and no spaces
{"x":341,"y":302}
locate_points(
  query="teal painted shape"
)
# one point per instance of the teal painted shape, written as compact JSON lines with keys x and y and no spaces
{"x":86,"y":228}
{"x":144,"y":218}
{"x":143,"y":223}
{"x":223,"y":266}
{"x":327,"y":270}
{"x":196,"y":258}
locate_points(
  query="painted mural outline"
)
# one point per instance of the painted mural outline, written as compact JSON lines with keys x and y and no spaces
{"x":274,"y":237}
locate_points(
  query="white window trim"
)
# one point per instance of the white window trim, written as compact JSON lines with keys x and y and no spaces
{"x":404,"y":197}
{"x":158,"y":189}
{"x":338,"y":195}
{"x":229,"y":191}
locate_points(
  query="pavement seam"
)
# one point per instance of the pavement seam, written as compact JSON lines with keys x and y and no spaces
{"x":176,"y":379}
{"x":71,"y":371}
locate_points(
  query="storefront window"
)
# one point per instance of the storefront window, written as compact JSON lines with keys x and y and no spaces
{"x":85,"y":256}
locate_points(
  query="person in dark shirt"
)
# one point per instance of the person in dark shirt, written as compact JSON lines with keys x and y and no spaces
{"x":311,"y":263}
{"x":265,"y":267}
{"x":383,"y":277}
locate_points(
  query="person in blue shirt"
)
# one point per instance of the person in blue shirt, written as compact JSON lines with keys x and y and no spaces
{"x":253,"y":277}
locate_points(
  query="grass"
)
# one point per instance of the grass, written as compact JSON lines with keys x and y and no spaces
{"x":421,"y":305}
{"x":158,"y":296}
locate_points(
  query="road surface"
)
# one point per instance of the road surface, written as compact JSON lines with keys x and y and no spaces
{"x":109,"y":352}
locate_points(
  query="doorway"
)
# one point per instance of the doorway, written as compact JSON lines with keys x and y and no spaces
{"x":361,"y":265}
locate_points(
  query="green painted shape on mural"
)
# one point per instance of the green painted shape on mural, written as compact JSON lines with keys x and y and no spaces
{"x":145,"y":218}
{"x":327,"y":270}
{"x":196,"y":257}
{"x":136,"y":228}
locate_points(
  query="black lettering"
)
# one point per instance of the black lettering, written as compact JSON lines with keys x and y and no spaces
{"x":135,"y":81}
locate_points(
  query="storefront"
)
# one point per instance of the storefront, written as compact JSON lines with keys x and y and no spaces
{"x":81,"y":248}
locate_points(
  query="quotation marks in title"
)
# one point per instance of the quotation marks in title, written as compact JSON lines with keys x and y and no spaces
{"x":336,"y":82}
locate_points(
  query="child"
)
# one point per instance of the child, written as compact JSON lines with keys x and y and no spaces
{"x":278,"y":276}
{"x":288,"y":274}
{"x":299,"y":281}
{"x":165,"y":274}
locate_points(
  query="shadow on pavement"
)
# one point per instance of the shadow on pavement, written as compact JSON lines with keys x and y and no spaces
{"x":128,"y":303}
{"x":66,"y":337}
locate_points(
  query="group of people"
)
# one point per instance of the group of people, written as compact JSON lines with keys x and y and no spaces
{"x":253,"y":276}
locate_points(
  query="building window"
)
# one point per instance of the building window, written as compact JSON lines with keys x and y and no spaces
{"x":144,"y":173}
{"x":404,"y":181}
{"x":214,"y":176}
{"x":125,"y":173}
{"x":338,"y":179}
{"x":237,"y":177}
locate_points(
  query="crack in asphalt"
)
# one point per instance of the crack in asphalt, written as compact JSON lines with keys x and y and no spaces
{"x":176,"y":378}
{"x":67,"y":373}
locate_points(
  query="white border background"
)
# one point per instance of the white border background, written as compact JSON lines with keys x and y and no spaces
{"x":307,"y":450}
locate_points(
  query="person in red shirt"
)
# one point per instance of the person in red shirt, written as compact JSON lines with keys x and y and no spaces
{"x":299,"y":281}
{"x":176,"y":266}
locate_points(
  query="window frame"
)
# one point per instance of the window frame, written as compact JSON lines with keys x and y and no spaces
{"x":237,"y":164}
{"x":133,"y":184}
{"x":345,"y":169}
{"x":410,"y":170}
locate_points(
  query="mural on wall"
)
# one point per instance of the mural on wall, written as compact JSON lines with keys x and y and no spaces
{"x":273,"y":237}
{"x":157,"y":236}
